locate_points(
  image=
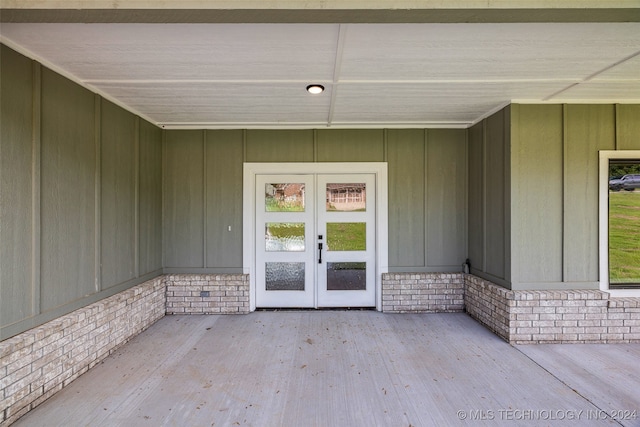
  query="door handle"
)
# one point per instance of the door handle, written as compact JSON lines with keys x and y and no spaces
{"x":320,"y":253}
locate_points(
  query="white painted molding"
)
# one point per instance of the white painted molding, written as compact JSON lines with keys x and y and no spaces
{"x":379,"y":169}
{"x":603,"y":219}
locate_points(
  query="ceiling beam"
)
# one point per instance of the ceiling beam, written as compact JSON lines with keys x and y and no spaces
{"x":41,"y":12}
{"x":316,"y":4}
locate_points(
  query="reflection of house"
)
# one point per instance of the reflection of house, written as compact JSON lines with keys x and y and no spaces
{"x":288,"y":193}
{"x":346,"y":197}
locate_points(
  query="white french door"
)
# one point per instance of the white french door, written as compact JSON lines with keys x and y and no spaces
{"x":285,"y":227}
{"x":346,"y":229}
{"x":315,"y":240}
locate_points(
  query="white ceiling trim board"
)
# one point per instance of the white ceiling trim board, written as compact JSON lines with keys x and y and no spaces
{"x":430,"y":81}
{"x":269,"y":125}
{"x":615,"y":64}
{"x":178,"y":81}
{"x":594,"y":75}
{"x":490,"y":113}
{"x":576,"y":101}
{"x":337,"y":65}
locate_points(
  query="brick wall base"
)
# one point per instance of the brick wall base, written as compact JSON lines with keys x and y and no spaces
{"x":553,"y":316}
{"x":422,"y":292}
{"x":519,"y":317}
{"x":38,"y":363}
{"x":207,"y":293}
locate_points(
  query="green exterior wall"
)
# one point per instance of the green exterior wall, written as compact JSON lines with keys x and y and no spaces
{"x":537,"y":184}
{"x":18,"y":164}
{"x":427,"y":200}
{"x":68,"y":190}
{"x":80,"y":196}
{"x":490,"y":199}
{"x":223,"y":202}
{"x":555,"y":181}
{"x":202,"y":178}
{"x":546,"y":209}
{"x":149,"y":197}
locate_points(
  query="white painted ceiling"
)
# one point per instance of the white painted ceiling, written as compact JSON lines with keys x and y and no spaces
{"x":376,"y":75}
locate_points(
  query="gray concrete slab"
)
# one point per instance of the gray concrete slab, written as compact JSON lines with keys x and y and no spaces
{"x":345,"y":368}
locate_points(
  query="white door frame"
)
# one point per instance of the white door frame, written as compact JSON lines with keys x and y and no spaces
{"x":379,"y":169}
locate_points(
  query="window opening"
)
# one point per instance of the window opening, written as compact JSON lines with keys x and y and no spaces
{"x":624,"y":223}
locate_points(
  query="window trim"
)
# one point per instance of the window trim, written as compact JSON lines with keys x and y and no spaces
{"x":603,"y":207}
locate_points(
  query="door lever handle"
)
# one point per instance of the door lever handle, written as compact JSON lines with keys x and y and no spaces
{"x":320,"y":253}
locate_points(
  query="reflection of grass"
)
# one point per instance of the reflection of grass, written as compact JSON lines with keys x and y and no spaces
{"x":275,"y":205}
{"x":624,"y":237}
{"x":346,"y":236}
{"x":286,"y":229}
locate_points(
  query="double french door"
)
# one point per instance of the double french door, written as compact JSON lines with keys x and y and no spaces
{"x":315,"y":240}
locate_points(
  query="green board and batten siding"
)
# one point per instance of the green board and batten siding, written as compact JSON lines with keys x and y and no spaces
{"x":553,"y":194}
{"x":350,"y":145}
{"x":406,"y":152}
{"x":17,"y":168}
{"x":445,"y":200}
{"x":183,"y":199}
{"x":80,"y":196}
{"x":427,"y":191}
{"x":489,"y":198}
{"x":224,"y":202}
{"x":497,"y":170}
{"x":627,"y":127}
{"x":537,"y":185}
{"x":271,"y":146}
{"x":476,"y":197}
{"x":118,"y":167}
{"x":149,"y":198}
{"x":588,"y":128}
{"x":202,"y":184}
{"x":68,"y":190}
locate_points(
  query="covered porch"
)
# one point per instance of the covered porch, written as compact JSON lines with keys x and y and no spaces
{"x":340,"y":367}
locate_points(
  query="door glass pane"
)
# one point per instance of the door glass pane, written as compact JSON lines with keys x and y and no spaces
{"x":284,"y":276}
{"x":346,"y":197}
{"x":346,"y":236}
{"x":284,"y":197}
{"x":284,"y":236}
{"x":624,"y":223}
{"x":346,"y":276}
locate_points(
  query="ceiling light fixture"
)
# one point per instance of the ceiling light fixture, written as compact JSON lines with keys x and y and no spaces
{"x":315,"y":89}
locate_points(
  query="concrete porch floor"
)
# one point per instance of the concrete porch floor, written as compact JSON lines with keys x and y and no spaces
{"x":346,"y":368}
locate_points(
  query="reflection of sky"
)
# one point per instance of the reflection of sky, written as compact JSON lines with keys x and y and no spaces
{"x":284,"y":244}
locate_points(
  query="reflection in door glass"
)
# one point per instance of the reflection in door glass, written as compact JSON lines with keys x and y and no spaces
{"x":284,"y":236}
{"x":624,"y":223}
{"x":284,"y":276}
{"x":284,"y":197}
{"x":346,"y":197}
{"x":346,"y":276}
{"x":346,"y":236}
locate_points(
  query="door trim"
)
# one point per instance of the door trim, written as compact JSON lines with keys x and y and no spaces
{"x":250,"y":170}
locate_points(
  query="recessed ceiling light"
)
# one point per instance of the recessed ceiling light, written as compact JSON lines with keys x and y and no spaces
{"x":315,"y":89}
